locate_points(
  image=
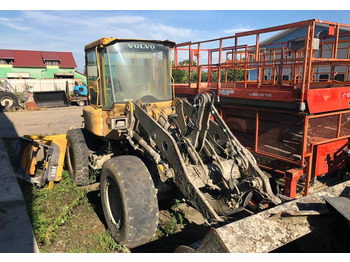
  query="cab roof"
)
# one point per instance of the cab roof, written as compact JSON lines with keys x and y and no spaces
{"x":102,"y":42}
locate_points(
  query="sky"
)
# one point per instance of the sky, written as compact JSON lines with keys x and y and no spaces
{"x":71,"y":30}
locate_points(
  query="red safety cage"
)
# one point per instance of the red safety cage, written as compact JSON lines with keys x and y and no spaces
{"x":285,"y":93}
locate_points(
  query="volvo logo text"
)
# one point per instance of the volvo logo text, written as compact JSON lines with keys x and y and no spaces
{"x":141,"y":46}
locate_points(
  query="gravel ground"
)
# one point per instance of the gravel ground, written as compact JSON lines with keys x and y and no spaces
{"x":44,"y":122}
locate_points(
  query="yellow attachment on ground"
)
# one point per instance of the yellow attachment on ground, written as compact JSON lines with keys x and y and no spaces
{"x":61,"y":142}
{"x":56,"y":143}
{"x":29,"y":162}
{"x":50,"y":186}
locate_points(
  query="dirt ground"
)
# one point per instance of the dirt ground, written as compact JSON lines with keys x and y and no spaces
{"x":44,"y":122}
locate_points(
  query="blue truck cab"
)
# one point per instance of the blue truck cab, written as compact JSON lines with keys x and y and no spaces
{"x":80,"y":90}
{"x":80,"y":96}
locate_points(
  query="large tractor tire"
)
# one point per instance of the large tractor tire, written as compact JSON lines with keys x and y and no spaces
{"x":129,"y":200}
{"x":77,"y":157}
{"x":8,"y":101}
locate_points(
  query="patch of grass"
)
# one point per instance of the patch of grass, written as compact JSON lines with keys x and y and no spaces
{"x":173,"y":221}
{"x":170,"y":227}
{"x":77,"y":249}
{"x":49,"y":209}
{"x":105,"y":242}
{"x":93,"y":174}
{"x":64,"y":220}
{"x":178,"y":214}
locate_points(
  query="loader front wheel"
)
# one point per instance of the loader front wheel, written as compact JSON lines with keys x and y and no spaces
{"x":129,"y":200}
{"x":77,"y":157}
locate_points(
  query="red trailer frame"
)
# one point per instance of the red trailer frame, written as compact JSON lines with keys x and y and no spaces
{"x":295,"y":116}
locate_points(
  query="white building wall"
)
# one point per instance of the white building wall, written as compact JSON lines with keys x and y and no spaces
{"x":35,"y":85}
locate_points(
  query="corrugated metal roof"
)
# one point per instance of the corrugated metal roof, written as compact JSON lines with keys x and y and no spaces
{"x":26,"y":58}
{"x":50,"y":56}
{"x":6,"y":54}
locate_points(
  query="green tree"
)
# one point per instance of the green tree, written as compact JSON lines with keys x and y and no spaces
{"x":179,"y":75}
{"x":182,"y":75}
{"x":231,"y":75}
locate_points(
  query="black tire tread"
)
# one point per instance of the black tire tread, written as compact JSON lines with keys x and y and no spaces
{"x":76,"y":140}
{"x":140,"y":200}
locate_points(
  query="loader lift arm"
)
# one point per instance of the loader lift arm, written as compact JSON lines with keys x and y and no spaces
{"x":243,"y":158}
{"x":217,"y":177}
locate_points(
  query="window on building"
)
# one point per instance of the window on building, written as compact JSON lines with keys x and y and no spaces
{"x":52,"y":62}
{"x":6,"y":61}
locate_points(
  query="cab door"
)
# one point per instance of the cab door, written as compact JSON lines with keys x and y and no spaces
{"x":93,"y":76}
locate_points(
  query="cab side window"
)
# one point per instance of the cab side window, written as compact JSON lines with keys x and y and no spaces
{"x":92,"y":75}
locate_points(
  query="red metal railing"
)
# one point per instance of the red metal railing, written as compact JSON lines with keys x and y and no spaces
{"x":278,"y":66}
{"x":298,"y":71}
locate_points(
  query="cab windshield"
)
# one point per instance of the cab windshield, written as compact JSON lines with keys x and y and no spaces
{"x":136,"y":70}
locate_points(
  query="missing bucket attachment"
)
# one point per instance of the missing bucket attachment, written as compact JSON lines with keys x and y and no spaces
{"x":43,"y":157}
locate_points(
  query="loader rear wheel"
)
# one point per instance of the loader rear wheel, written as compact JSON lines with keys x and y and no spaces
{"x":8,"y":101}
{"x":77,"y":157}
{"x":129,"y":200}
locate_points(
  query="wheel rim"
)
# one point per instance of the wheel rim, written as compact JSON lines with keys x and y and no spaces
{"x":114,"y":205}
{"x":6,"y":102}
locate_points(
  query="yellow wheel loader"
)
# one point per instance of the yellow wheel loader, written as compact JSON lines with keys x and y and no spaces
{"x":140,"y":137}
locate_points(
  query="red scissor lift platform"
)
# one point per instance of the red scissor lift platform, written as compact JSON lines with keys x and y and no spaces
{"x":286,"y":99}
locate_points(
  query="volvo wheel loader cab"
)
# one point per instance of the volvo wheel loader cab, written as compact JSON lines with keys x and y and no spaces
{"x":140,"y":136}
